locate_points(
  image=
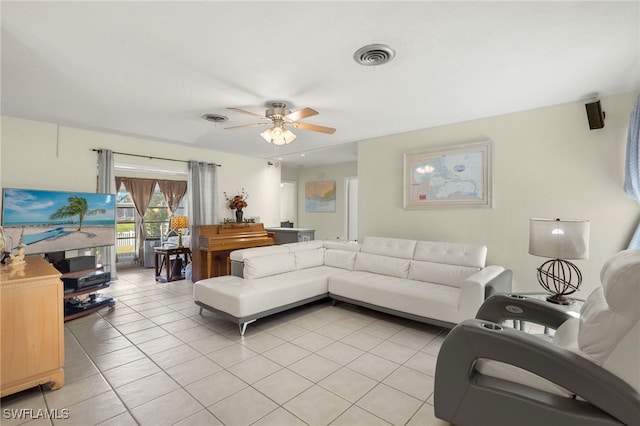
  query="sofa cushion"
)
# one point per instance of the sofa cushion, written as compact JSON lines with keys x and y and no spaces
{"x":440,"y":273}
{"x":384,"y":265}
{"x":263,"y":266}
{"x":394,"y":247}
{"x":414,"y":297}
{"x":341,"y":245}
{"x":619,"y":277}
{"x":309,"y":258}
{"x":608,"y":338}
{"x":242,"y":254}
{"x":340,"y":258}
{"x":306,"y":245}
{"x":451,"y":253}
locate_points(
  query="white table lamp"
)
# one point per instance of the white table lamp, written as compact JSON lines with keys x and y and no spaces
{"x":559,"y":239}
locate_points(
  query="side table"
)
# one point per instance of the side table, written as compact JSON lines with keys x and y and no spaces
{"x":163,"y":258}
{"x":573,"y":309}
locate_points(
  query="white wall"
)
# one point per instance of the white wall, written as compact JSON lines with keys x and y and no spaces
{"x":328,"y":225}
{"x":547,"y":163}
{"x":42,"y":156}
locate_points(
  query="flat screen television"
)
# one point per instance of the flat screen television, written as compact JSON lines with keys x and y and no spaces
{"x":57,"y":221}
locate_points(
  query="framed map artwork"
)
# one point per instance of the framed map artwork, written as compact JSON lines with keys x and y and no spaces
{"x":320,"y":196}
{"x":448,"y":177}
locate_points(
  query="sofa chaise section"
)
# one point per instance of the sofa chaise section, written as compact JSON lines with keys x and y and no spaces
{"x":272,"y":283}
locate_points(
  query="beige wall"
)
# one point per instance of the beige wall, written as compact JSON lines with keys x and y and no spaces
{"x":328,"y":226}
{"x":40,"y":156}
{"x":546,"y":163}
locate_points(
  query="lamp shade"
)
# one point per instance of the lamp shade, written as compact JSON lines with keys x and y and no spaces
{"x":266,"y":135}
{"x":288,"y":136}
{"x":559,"y":238}
{"x":179,"y":222}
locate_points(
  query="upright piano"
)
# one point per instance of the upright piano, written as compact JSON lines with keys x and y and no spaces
{"x":214,"y":243}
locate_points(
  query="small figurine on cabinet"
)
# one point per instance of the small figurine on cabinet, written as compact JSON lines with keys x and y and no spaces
{"x":17,"y":260}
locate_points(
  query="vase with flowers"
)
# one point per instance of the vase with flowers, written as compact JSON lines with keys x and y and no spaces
{"x":237,"y":202}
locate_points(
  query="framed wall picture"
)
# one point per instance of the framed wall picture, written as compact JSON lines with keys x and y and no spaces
{"x":320,"y":196}
{"x":448,"y":177}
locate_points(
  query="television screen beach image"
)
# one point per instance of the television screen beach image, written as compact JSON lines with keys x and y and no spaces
{"x":52,"y":221}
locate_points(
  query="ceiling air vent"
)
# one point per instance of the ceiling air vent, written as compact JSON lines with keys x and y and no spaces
{"x":214,"y":118}
{"x":374,"y":54}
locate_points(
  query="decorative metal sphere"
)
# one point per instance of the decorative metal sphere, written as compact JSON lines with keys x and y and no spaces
{"x":559,"y":277}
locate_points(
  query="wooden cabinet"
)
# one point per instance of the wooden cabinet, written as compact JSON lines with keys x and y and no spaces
{"x":292,"y":235}
{"x":31,"y":327}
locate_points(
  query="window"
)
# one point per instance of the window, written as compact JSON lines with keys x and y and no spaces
{"x":126,"y":225}
{"x":156,"y":218}
{"x":156,"y":221}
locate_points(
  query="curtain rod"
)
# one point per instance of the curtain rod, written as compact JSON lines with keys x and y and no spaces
{"x":150,"y":157}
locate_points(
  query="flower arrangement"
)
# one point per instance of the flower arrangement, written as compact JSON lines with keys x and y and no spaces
{"x":238,"y":201}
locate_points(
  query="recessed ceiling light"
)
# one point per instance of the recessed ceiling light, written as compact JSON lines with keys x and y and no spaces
{"x":303,"y":155}
{"x":215,"y":118}
{"x":374,"y":54}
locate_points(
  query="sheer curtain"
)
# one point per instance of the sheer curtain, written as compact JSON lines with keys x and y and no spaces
{"x":173,"y":191}
{"x":141,"y":191}
{"x":203,"y":196}
{"x":632,"y":166}
{"x":107,"y":185}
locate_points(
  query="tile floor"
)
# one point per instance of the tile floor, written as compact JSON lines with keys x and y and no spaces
{"x":154,"y":360}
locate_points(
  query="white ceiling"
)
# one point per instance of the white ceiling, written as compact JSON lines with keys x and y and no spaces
{"x":152,"y":68}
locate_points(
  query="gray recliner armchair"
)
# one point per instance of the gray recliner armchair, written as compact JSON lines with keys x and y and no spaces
{"x":588,"y":373}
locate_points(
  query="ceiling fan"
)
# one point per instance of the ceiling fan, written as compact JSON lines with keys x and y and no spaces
{"x":280,"y":117}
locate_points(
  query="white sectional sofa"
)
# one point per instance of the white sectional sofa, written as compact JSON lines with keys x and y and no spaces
{"x":436,"y":282}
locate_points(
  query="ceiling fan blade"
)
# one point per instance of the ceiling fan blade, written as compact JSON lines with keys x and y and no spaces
{"x":314,"y":128}
{"x":299,"y":115}
{"x":246,"y":125}
{"x":248,"y":113}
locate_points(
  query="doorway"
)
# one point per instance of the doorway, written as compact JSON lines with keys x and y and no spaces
{"x":289,"y":202}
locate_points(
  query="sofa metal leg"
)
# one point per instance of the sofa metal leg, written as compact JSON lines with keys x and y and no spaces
{"x":243,"y":326}
{"x":200,"y":313}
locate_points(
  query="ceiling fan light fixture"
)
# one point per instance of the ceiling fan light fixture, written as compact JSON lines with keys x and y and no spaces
{"x":276,"y":132}
{"x":282,"y":118}
{"x":278,"y":135}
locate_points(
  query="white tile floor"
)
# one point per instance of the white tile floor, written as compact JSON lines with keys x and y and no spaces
{"x":154,"y":360}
